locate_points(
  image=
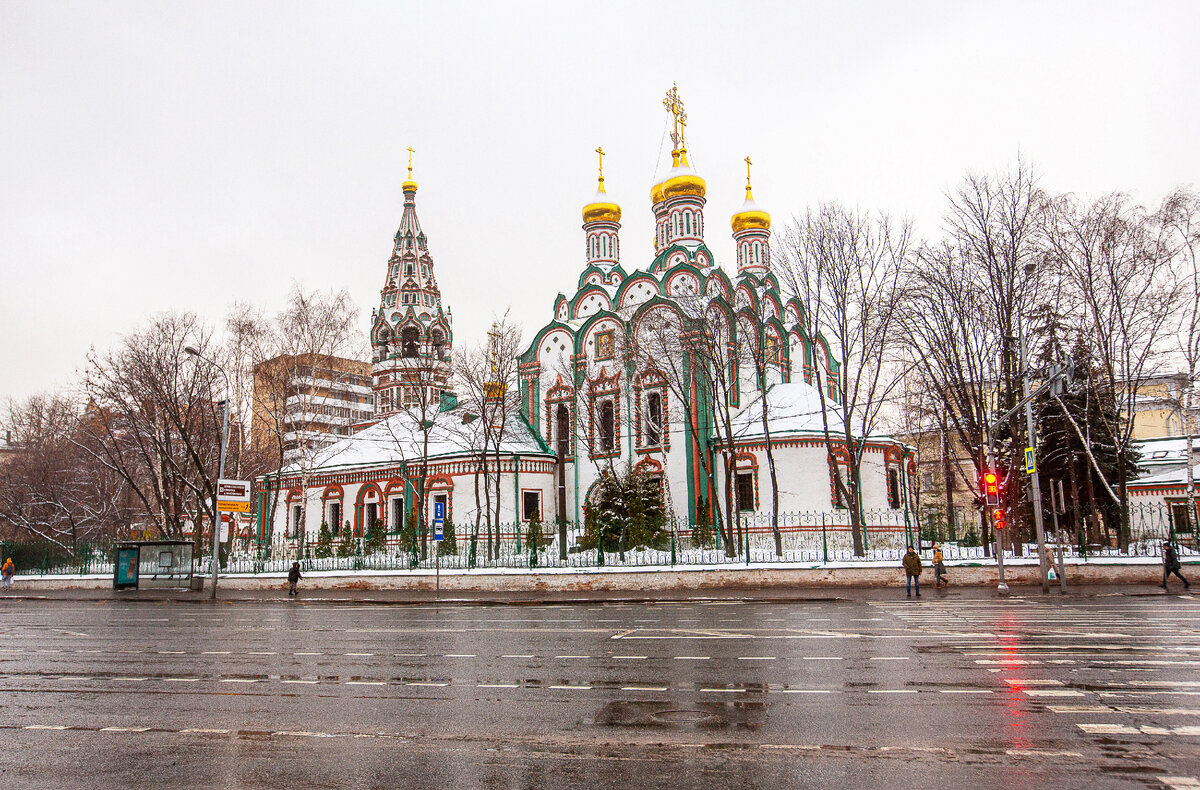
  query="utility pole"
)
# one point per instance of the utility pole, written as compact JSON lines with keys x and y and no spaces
{"x":1035,"y":489}
{"x":216,"y":524}
{"x":216,"y":542}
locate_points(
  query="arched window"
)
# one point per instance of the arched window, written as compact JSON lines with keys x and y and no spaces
{"x":608,"y":426}
{"x":654,"y":418}
{"x":439,"y":344}
{"x":409,"y":337}
{"x":562,"y":430}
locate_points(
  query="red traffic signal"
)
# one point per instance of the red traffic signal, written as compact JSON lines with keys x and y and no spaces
{"x":991,"y":487}
{"x":998,"y":521}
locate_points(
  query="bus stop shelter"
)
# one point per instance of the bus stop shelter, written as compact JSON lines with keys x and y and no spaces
{"x":154,"y":563}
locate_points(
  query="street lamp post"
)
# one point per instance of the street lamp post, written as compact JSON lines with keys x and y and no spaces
{"x":216,"y":524}
{"x":1035,"y":488}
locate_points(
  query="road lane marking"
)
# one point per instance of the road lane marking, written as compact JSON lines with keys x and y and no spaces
{"x":308,"y":682}
{"x":1052,"y":693}
{"x":124,"y":729}
{"x":426,"y":683}
{"x":1180,"y":782}
{"x":571,"y":688}
{"x":215,"y":653}
{"x":365,"y":683}
{"x":308,"y":654}
{"x":756,"y":658}
{"x":822,"y":658}
{"x":1040,"y":753}
{"x":890,"y":658}
{"x":511,"y":655}
{"x":692,"y":658}
{"x":1031,"y":682}
{"x":205,"y":731}
{"x":643,"y":688}
{"x":44,"y":727}
{"x":180,"y":680}
{"x":498,"y":685}
{"x":726,"y":691}
{"x":239,"y":680}
{"x":631,"y":658}
{"x":891,"y":691}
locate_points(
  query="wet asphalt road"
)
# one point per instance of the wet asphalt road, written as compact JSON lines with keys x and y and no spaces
{"x":957,"y":689}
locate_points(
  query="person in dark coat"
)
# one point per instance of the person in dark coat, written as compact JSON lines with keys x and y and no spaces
{"x":293,"y":578}
{"x":1171,"y":565}
{"x":912,"y":572}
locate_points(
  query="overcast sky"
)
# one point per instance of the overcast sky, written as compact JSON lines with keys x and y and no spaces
{"x":177,"y":156}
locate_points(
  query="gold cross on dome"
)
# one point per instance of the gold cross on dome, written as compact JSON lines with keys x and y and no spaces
{"x":748,"y":163}
{"x":674,"y":105}
{"x":600,"y":151}
{"x":410,"y":153}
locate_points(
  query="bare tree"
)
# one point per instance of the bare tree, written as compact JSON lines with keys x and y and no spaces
{"x":154,"y":422}
{"x":846,"y":268}
{"x":1119,"y":263}
{"x":1180,"y":216}
{"x":300,"y":365}
{"x":761,"y":341}
{"x":50,"y":489}
{"x":954,"y":342}
{"x":487,"y":384}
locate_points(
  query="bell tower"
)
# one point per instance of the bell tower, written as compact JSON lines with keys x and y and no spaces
{"x":411,"y":334}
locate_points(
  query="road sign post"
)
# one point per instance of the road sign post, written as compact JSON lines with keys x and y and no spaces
{"x":439,"y":521}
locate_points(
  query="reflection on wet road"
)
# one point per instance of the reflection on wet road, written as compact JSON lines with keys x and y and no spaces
{"x":1082,"y":691}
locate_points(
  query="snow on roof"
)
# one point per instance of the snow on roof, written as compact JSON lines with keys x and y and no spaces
{"x":1166,"y":476}
{"x":400,"y":438}
{"x":791,"y":408}
{"x":1168,"y":451}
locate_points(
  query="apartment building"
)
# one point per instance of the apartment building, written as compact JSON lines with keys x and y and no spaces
{"x":308,"y":400}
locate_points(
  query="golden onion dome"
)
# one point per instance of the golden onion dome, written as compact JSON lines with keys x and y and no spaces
{"x":750,"y":216}
{"x":409,"y":186}
{"x":656,"y":193}
{"x":601,"y":209}
{"x":683,"y":180}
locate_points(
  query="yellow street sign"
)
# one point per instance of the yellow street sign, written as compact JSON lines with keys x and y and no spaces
{"x":233,"y":507}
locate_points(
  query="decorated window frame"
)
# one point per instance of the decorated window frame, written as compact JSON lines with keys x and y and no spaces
{"x":604,"y":389}
{"x":651,"y":383}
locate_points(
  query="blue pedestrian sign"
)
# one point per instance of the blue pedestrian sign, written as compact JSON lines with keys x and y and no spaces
{"x":439,"y":518}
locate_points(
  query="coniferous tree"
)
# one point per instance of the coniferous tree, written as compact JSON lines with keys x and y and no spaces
{"x":324,"y":547}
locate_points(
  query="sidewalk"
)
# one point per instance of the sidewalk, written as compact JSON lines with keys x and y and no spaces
{"x":404,"y":597}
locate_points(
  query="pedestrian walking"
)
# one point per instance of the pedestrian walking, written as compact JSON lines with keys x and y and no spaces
{"x":1170,"y":565}
{"x":912,"y":572}
{"x":939,"y":568}
{"x":9,"y":569}
{"x":293,"y":578}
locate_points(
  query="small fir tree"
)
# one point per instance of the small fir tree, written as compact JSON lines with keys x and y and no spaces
{"x":702,"y":530}
{"x":346,"y":545}
{"x":449,"y":544}
{"x":376,"y":537}
{"x":324,"y":547}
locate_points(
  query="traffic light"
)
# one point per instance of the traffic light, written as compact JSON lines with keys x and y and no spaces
{"x":991,"y":487}
{"x":998,"y":520}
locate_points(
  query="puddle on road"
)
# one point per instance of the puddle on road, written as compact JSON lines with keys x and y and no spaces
{"x":705,"y":715}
